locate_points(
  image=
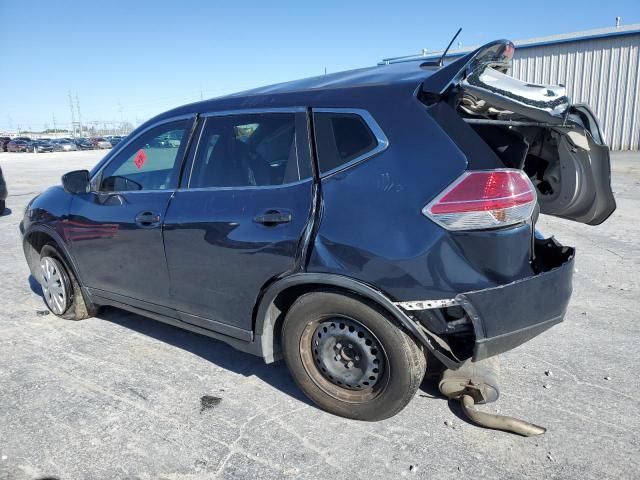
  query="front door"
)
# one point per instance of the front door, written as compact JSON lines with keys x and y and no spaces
{"x":239,"y":220}
{"x":116,"y":229}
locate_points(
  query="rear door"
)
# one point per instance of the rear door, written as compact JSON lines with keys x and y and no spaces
{"x":239,"y":219}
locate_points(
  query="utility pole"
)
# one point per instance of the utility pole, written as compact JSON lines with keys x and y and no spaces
{"x":79,"y":117}
{"x":53,"y":116}
{"x":73,"y":116}
{"x":120,"y":129}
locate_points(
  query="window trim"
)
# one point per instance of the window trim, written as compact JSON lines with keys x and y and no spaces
{"x":97,"y":177}
{"x":367,"y":118}
{"x":232,"y":113}
{"x":253,"y":111}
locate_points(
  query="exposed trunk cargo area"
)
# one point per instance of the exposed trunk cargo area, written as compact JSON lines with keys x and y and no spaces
{"x":532,"y":127}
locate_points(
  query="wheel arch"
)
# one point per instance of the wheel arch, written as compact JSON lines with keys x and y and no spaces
{"x":279,"y":296}
{"x":33,"y":242}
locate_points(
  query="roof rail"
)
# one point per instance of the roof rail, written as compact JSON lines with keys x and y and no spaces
{"x":410,"y":58}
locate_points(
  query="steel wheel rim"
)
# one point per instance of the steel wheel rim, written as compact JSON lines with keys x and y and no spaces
{"x":329,"y":357}
{"x":53,"y":286}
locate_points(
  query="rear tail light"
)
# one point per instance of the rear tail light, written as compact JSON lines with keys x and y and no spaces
{"x":484,"y":199}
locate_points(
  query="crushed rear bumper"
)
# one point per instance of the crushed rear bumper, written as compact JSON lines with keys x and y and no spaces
{"x":501,"y":318}
{"x":509,"y":315}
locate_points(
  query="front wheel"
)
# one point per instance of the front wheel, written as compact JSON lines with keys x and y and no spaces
{"x":60,"y":288}
{"x":349,"y":357}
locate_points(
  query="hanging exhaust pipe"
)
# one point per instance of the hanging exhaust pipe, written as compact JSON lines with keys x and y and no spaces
{"x":475,"y":383}
{"x":498,"y":422}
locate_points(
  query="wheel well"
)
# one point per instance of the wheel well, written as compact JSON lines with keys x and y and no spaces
{"x":283,"y":302}
{"x":32,"y":245}
{"x":270,"y":328}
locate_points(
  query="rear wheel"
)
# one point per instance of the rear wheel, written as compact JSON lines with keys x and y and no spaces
{"x":349,"y":358}
{"x":61,"y":291}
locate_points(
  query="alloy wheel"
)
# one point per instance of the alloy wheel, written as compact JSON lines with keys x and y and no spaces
{"x":53,"y":286}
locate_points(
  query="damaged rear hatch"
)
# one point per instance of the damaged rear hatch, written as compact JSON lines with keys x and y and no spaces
{"x":532,"y":127}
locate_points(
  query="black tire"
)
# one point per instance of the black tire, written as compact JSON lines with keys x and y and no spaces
{"x":3,"y":206}
{"x":362,"y":326}
{"x":74,"y":305}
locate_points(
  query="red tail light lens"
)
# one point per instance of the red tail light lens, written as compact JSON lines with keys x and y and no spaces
{"x":484,"y":199}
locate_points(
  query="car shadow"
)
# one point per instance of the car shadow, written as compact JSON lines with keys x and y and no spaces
{"x":35,"y":286}
{"x":210,"y":349}
{"x":6,"y":212}
{"x":224,"y":356}
{"x":429,"y":388}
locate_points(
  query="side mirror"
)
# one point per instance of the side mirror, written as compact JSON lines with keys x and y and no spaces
{"x":76,"y":182}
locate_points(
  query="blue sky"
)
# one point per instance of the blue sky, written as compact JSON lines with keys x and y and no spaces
{"x":133,"y":59}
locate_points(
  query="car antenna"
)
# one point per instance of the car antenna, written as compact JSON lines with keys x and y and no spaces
{"x":440,"y":61}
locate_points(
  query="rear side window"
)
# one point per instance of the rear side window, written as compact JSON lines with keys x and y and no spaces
{"x":341,"y":138}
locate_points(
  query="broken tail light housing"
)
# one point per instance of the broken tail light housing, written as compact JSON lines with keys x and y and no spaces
{"x":484,"y":199}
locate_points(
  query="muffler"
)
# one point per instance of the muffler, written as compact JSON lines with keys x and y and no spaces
{"x":476,"y":383}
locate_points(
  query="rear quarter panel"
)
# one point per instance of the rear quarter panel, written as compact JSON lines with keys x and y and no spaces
{"x":372,"y":228}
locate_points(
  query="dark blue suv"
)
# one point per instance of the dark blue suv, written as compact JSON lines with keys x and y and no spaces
{"x":357,"y":224}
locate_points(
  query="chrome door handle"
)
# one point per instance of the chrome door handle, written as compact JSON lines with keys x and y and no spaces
{"x":147,"y":219}
{"x":273,"y":217}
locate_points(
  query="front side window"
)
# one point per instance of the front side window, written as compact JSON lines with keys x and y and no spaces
{"x":341,"y":138}
{"x":150,"y":162}
{"x":248,"y":150}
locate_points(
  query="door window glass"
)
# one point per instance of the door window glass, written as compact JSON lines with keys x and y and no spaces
{"x":248,"y":150}
{"x":341,"y":138}
{"x":150,"y":162}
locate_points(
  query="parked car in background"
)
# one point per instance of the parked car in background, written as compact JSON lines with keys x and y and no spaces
{"x":3,"y":192}
{"x":358,"y":225}
{"x":41,"y":146}
{"x":100,"y":142}
{"x":83,"y":143}
{"x":26,"y":139}
{"x":3,"y":143}
{"x":63,"y":145}
{"x":18,"y":146}
{"x":115,"y":140}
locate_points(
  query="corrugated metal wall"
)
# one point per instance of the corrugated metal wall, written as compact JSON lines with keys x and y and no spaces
{"x":603,"y":73}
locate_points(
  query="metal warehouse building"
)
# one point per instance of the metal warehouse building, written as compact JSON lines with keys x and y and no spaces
{"x":598,"y":67}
